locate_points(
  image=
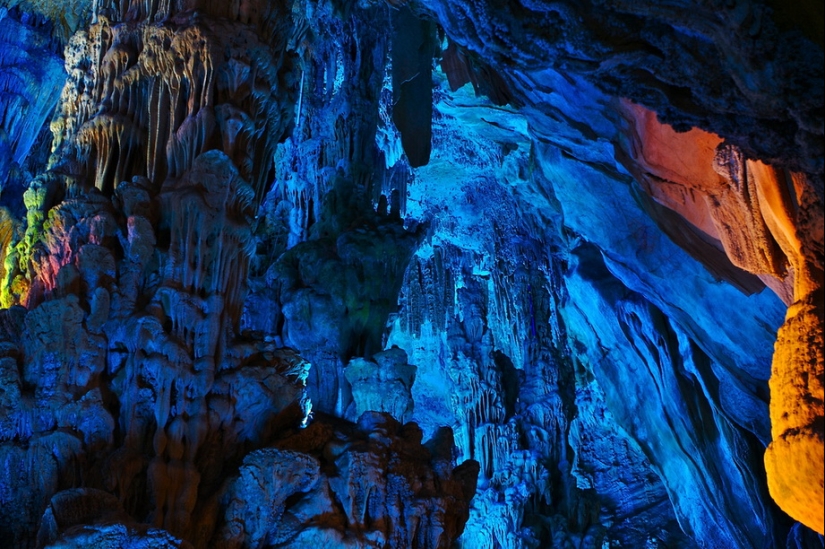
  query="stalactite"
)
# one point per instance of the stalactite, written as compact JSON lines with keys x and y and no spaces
{"x":572,"y":285}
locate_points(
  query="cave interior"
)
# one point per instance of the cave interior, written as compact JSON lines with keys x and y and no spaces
{"x":412,"y":274}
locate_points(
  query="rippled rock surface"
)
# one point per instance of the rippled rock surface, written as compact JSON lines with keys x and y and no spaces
{"x":411,"y":274}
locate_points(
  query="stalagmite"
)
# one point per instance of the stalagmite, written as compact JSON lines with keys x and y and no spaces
{"x":418,"y":274}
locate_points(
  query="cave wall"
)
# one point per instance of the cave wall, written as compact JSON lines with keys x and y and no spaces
{"x":255,"y":254}
{"x":138,"y":406}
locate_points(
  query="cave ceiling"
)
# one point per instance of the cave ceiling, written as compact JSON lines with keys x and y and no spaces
{"x":420,"y":274}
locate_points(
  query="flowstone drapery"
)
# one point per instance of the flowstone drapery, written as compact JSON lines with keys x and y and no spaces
{"x":424,"y":274}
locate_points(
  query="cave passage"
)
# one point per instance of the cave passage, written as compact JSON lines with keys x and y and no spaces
{"x":412,"y":274}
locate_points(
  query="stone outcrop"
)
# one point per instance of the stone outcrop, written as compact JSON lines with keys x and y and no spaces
{"x":132,"y":391}
{"x":768,"y":221}
{"x":254,"y":254}
{"x":347,"y":485}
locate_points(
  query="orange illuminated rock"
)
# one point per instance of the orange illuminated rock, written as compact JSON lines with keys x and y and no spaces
{"x":770,"y":223}
{"x":677,"y":168}
{"x":710,"y":184}
{"x":794,"y":460}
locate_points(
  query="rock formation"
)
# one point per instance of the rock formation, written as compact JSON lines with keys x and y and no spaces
{"x":127,"y":370}
{"x":420,"y":274}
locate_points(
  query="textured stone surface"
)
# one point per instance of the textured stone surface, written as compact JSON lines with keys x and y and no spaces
{"x":793,"y":458}
{"x":382,"y":384}
{"x":125,"y":370}
{"x":767,"y":224}
{"x":255,"y":254}
{"x":723,"y":67}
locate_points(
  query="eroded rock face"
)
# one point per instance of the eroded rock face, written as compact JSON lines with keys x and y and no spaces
{"x":255,"y":210}
{"x":127,"y":380}
{"x":769,"y":223}
{"x":344,"y":485}
{"x":591,"y":47}
{"x":592,"y":407}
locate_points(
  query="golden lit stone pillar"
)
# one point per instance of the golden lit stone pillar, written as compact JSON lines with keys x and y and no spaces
{"x":795,"y":460}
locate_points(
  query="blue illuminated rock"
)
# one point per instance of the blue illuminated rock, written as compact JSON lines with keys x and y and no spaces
{"x":382,"y":384}
{"x":410,"y":275}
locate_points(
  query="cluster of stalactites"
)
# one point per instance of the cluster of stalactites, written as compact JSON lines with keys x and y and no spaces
{"x":248,"y":12}
{"x":493,"y":314}
{"x":147,"y":99}
{"x":337,"y":118}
